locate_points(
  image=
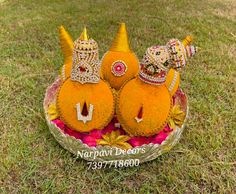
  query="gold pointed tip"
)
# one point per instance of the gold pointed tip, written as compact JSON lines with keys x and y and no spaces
{"x":84,"y":35}
{"x":61,"y":28}
{"x":188,"y":40}
{"x":121,"y":41}
{"x":122,"y":26}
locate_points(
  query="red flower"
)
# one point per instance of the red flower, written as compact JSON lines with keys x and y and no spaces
{"x":138,"y":141}
{"x":89,"y":140}
{"x":73,"y":133}
{"x":96,"y":133}
{"x":91,"y":137}
{"x":159,"y":138}
{"x":109,"y":128}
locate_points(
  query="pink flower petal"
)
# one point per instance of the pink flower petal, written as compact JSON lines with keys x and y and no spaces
{"x":138,"y":141}
{"x":167,"y":129}
{"x":109,"y":128}
{"x":73,"y":133}
{"x":159,"y":138}
{"x":89,"y":140}
{"x":96,"y":133}
{"x":59,"y":123}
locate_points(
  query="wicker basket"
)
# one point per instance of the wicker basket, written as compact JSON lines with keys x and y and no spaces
{"x":150,"y":151}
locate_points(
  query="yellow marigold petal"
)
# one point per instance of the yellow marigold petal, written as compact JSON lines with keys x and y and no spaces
{"x":171,"y":123}
{"x":102,"y":142}
{"x":179,"y":123}
{"x":114,"y":135}
{"x":114,"y":139}
{"x":106,"y":138}
{"x":53,"y":117}
{"x":177,"y":117}
{"x":52,"y":112}
{"x":123,"y":138}
{"x":124,"y":146}
{"x":117,"y":132}
{"x":51,"y":109}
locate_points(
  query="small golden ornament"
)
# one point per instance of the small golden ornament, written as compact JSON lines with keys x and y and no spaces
{"x":115,"y":139}
{"x":84,"y":101}
{"x":177,"y":117}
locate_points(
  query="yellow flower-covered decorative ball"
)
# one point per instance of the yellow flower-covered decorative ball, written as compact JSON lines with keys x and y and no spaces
{"x":144,"y":103}
{"x":85,"y":102}
{"x":143,"y":109}
{"x":119,"y":64}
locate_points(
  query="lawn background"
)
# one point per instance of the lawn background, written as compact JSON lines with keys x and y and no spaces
{"x":31,"y":161}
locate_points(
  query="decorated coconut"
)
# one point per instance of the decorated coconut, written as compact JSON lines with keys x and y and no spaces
{"x":85,"y":102}
{"x":119,"y":64}
{"x":145,"y":104}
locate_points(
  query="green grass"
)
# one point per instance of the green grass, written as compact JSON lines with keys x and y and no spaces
{"x":31,"y":161}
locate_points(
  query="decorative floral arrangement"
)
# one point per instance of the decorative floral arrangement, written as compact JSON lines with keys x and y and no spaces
{"x":118,"y":101}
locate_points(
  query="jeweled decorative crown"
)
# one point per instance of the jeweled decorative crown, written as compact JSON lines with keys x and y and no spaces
{"x":159,"y":59}
{"x":191,"y":50}
{"x":155,"y":65}
{"x":177,"y":52}
{"x":85,"y":65}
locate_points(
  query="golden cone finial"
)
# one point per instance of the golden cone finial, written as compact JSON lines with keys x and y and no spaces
{"x":66,"y":43}
{"x":83,"y":35}
{"x":121,"y":42}
{"x":187,"y":41}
